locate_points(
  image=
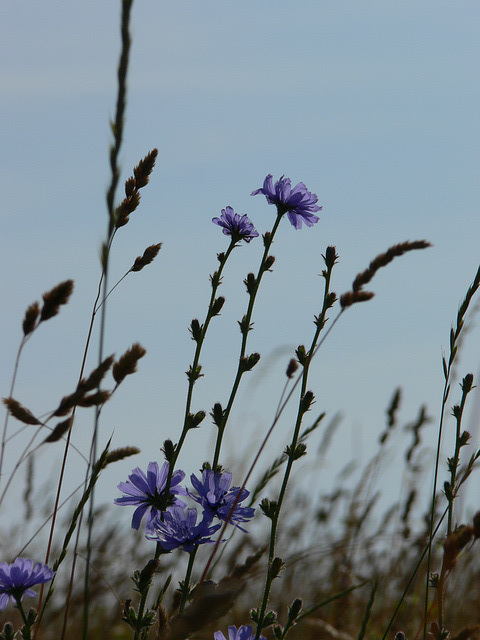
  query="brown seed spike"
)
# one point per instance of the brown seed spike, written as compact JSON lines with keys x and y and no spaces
{"x":384,"y":258}
{"x":129,"y":186}
{"x":144,"y":169}
{"x":31,"y":315}
{"x":120,"y":454}
{"x":149,"y":256}
{"x":54,"y":298}
{"x":127,"y":364}
{"x":292,"y":367}
{"x":59,"y":430}
{"x":351,"y":297}
{"x":454,"y":543}
{"x":96,"y":376}
{"x":94,"y":399}
{"x":346,"y":299}
{"x":20,"y":412}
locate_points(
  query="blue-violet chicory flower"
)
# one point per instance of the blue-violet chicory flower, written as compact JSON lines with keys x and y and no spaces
{"x":244,"y":632}
{"x":235,"y":225}
{"x":147,"y":492}
{"x":217,"y":499}
{"x":17,"y":578}
{"x":178,"y":529}
{"x":298,"y":203}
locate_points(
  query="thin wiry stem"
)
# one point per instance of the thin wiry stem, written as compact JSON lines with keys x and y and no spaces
{"x":216,"y":280}
{"x":302,"y":409}
{"x":115,"y":172}
{"x":447,"y":371}
{"x":66,"y":448}
{"x":245,"y":326}
{"x":7,"y":414}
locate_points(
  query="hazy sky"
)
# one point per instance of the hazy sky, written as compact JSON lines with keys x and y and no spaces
{"x":374,"y":105}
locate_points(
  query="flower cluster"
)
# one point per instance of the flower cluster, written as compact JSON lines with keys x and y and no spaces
{"x":237,"y":226}
{"x":17,"y":578}
{"x":179,"y":529}
{"x":298,"y":203}
{"x":244,"y":632}
{"x":147,"y":492}
{"x":217,"y":499}
{"x":168,"y":522}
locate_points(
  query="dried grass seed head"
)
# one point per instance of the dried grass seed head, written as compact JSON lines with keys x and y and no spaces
{"x":144,"y":168}
{"x":54,"y":298}
{"x":121,"y":453}
{"x":149,"y":256}
{"x":96,"y":376}
{"x":385,"y":258}
{"x":454,"y":543}
{"x":357,"y":294}
{"x":292,"y":367}
{"x":127,"y":364}
{"x":20,"y":412}
{"x":31,"y":315}
{"x":60,"y":430}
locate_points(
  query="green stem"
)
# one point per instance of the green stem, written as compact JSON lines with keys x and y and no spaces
{"x":216,"y":279}
{"x":186,"y":583}
{"x":456,"y":456}
{"x":320,"y":322}
{"x":143,"y":598}
{"x":268,"y":240}
{"x":26,"y":635}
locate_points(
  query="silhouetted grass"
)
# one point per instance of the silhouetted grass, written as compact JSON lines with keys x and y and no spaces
{"x":340,"y":563}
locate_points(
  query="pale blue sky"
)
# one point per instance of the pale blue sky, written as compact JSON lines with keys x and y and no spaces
{"x":374,"y":105}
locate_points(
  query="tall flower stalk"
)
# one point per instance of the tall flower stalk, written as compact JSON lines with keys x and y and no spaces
{"x":300,"y":205}
{"x":238,"y":228}
{"x":221,"y":416}
{"x":295,"y":450}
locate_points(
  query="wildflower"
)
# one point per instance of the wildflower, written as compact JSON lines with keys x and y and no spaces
{"x":239,"y":227}
{"x":217,"y":499}
{"x":179,"y":529}
{"x":298,"y":203}
{"x":17,"y":578}
{"x":244,"y":632}
{"x":147,"y":492}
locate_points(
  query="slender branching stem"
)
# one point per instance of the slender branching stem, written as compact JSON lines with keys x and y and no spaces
{"x":7,"y":413}
{"x":412,"y":577}
{"x":26,"y":635}
{"x":302,"y":408}
{"x":454,"y":462}
{"x":246,"y":326}
{"x":455,"y":334}
{"x":186,"y":582}
{"x":216,"y":280}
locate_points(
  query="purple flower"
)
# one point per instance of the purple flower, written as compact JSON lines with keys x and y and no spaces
{"x":17,"y":578}
{"x":239,"y":227}
{"x":298,"y":203}
{"x":244,"y":632}
{"x":179,"y":529}
{"x":147,"y":492}
{"x":217,"y":499}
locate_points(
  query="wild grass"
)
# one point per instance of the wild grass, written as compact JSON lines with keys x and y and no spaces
{"x":337,"y":564}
